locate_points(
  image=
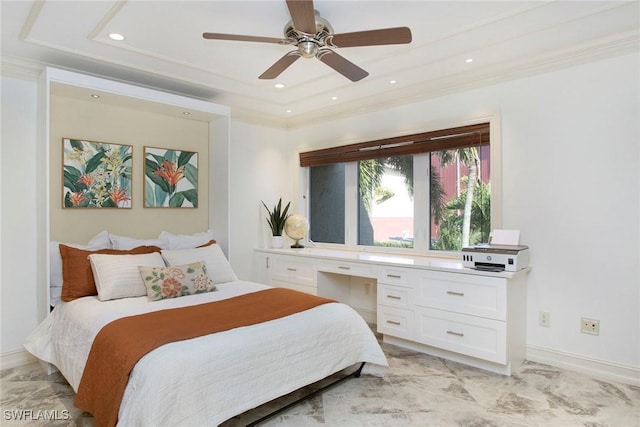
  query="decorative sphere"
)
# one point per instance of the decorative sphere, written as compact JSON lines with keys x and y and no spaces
{"x":296,"y":226}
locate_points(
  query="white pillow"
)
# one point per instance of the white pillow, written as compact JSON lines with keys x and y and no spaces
{"x":99,"y":241}
{"x":117,"y":276}
{"x":125,"y":243}
{"x":184,"y":241}
{"x":218,"y":267}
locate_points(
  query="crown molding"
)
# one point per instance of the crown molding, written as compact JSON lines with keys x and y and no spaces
{"x":20,"y":68}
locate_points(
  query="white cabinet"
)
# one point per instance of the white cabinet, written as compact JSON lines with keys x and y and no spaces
{"x":471,"y":318}
{"x":295,"y":273}
{"x":429,"y":305}
{"x":395,"y":309}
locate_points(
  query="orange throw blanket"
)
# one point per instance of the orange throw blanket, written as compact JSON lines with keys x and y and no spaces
{"x":120,"y":344}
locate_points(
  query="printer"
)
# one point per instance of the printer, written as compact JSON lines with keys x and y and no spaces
{"x":494,"y":257}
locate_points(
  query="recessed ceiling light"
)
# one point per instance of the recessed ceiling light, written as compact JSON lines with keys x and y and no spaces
{"x":468,"y":60}
{"x":186,"y":113}
{"x":288,"y":111}
{"x":279,"y":85}
{"x":393,"y":82}
{"x":117,"y":37}
{"x":93,"y":95}
{"x":333,"y":98}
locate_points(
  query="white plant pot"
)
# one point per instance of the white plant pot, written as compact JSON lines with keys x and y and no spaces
{"x":276,"y":242}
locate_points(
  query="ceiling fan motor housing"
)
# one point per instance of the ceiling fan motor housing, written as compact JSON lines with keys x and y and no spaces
{"x":309,"y":44}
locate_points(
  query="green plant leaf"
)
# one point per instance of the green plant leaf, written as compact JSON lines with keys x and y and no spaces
{"x":184,"y":157}
{"x":77,"y":144}
{"x":94,"y":162}
{"x":192,"y":196}
{"x":159,"y":195}
{"x":170,"y":155}
{"x":149,"y":197}
{"x":176,"y":200}
{"x":191,"y":173}
{"x":71,"y":176}
{"x":150,"y":168}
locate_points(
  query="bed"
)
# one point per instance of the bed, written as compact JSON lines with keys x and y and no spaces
{"x":209,"y":379}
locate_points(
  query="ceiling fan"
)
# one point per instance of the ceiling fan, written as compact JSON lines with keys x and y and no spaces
{"x":313,"y":36}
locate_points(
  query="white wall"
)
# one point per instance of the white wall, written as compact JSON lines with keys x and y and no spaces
{"x":571,"y":161}
{"x":18,"y":254}
{"x":261,"y":169}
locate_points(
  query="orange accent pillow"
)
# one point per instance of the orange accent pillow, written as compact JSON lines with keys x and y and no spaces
{"x":77,"y":276}
{"x":209,"y":243}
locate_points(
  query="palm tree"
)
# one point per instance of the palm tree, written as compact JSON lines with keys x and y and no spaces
{"x":467,"y":156}
{"x":451,"y":224}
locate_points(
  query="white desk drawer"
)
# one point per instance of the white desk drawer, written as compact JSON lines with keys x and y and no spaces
{"x":473,"y":336}
{"x":348,"y":268}
{"x":461,"y":293}
{"x":393,"y":296}
{"x":395,"y":321}
{"x":285,"y":269}
{"x":394,"y":276}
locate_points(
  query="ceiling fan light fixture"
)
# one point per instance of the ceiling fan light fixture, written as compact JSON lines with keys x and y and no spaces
{"x":307,"y":49}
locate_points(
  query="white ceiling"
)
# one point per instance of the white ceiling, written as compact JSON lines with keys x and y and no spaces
{"x":164,"y":48}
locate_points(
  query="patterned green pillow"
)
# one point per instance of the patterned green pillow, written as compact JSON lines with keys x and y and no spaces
{"x":176,"y":281}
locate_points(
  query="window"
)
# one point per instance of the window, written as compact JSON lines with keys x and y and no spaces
{"x":422,"y":192}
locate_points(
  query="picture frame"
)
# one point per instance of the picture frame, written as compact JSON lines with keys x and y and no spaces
{"x":96,"y":174}
{"x":170,"y":178}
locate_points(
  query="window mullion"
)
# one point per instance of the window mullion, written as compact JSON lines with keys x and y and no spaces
{"x":351,"y":204}
{"x":421,"y":208}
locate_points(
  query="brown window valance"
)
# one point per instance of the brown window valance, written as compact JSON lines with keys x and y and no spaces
{"x":444,"y":139}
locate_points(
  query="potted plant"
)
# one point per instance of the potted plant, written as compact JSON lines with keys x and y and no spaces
{"x":276,"y":219}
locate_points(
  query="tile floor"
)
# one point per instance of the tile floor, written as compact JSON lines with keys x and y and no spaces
{"x":418,"y":390}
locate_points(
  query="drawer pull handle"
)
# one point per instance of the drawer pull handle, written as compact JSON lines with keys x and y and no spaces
{"x":393,"y":297}
{"x":393,"y":276}
{"x":458,"y":294}
{"x":393,"y":322}
{"x":343,"y":267}
{"x":291,"y":269}
{"x":458,"y":334}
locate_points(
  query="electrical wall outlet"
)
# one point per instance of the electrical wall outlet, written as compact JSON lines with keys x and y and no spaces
{"x":590,"y":326}
{"x":544,"y":319}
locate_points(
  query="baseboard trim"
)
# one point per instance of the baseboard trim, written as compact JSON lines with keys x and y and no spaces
{"x":15,"y":358}
{"x":586,"y":365}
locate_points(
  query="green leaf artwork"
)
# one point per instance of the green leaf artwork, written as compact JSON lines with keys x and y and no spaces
{"x":170,"y":178}
{"x":96,"y":174}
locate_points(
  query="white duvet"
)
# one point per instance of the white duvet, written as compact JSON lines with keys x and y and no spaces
{"x":207,"y":380}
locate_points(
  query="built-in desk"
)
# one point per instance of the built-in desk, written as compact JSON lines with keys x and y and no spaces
{"x":432,"y":305}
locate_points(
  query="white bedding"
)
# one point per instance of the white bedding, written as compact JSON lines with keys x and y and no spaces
{"x":207,"y":380}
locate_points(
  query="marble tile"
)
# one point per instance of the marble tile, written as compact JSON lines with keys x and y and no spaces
{"x":418,"y":390}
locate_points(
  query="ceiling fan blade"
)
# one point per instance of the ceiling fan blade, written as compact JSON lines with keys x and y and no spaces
{"x":219,"y":36}
{"x":342,"y":65}
{"x":302,"y":15}
{"x":281,"y":64}
{"x":396,"y":35}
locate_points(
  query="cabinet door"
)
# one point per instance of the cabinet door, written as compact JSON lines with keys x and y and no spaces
{"x":296,"y":270}
{"x":261,"y":268}
{"x":394,"y":296}
{"x":395,"y":322}
{"x":462,"y":293}
{"x":474,"y":336}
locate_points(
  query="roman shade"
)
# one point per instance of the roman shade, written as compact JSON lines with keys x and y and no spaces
{"x":444,"y":139}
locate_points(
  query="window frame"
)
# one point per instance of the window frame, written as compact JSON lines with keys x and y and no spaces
{"x":421,"y":183}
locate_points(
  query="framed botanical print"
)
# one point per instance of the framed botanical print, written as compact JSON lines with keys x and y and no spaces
{"x":96,"y":174}
{"x":170,"y":178}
